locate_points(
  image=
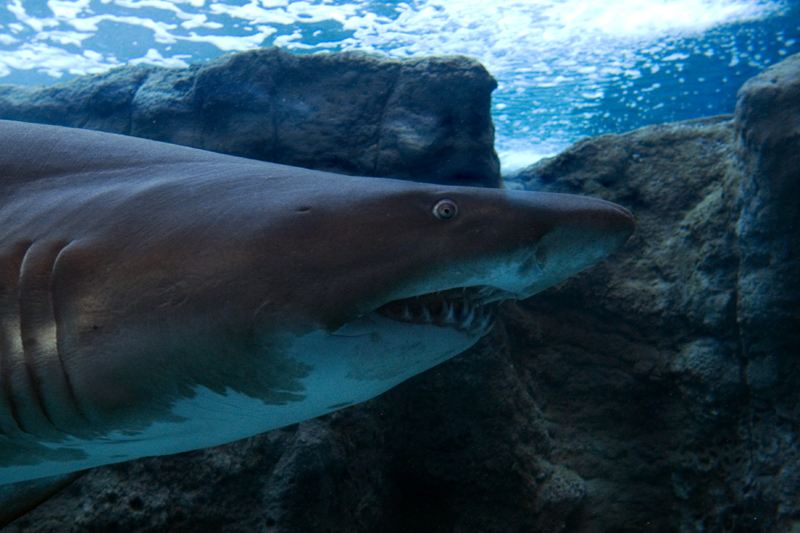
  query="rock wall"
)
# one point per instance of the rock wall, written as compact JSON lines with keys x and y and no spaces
{"x":419,"y":119}
{"x":768,"y":145}
{"x":657,"y":391}
{"x":675,"y":375}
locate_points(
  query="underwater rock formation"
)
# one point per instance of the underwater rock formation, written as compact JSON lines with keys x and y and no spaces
{"x":420,"y":119}
{"x":676,"y":390}
{"x":658,"y":391}
{"x":768,"y":144}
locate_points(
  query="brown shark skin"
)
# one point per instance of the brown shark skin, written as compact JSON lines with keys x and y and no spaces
{"x":134,"y":272}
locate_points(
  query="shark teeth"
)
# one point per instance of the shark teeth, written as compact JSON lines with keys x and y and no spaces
{"x":466,"y":309}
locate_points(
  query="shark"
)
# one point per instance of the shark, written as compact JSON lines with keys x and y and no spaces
{"x":156,"y":298}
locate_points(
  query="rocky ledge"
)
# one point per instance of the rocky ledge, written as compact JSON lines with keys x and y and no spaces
{"x":419,"y":119}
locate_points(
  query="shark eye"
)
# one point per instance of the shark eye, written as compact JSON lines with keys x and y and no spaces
{"x":445,"y":209}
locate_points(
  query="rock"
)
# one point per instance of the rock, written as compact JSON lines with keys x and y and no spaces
{"x":421,"y":119}
{"x":645,"y":394}
{"x":677,"y":391}
{"x":559,"y":496}
{"x":636,"y":360}
{"x":768,"y":143}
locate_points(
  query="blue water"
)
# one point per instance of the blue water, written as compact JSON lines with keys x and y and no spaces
{"x":566,"y":68}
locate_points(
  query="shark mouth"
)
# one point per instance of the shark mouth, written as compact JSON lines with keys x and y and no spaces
{"x":468,"y":309}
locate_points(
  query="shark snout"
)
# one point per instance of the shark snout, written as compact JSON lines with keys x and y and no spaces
{"x":583,"y":215}
{"x":611,"y":223}
{"x":574,"y":232}
{"x":593,"y":214}
{"x":591,"y":227}
{"x":616,"y":218}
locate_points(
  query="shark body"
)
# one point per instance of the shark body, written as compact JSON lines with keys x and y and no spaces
{"x":156,"y":299}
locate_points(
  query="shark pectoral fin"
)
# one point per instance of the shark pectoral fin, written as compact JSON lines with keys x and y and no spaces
{"x":17,"y":499}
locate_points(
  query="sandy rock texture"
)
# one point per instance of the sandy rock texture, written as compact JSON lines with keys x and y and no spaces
{"x":420,"y":119}
{"x":657,"y":391}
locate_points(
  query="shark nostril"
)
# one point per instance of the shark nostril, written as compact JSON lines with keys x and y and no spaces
{"x":533,"y":263}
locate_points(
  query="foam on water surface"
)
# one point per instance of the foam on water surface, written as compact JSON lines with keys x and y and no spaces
{"x":566,"y":68}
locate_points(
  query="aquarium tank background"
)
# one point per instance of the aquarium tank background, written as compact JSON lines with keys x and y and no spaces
{"x":566,"y":68}
{"x":658,"y":390}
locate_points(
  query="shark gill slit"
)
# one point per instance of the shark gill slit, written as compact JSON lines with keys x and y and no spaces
{"x":49,"y":407}
{"x":69,"y":391}
{"x":10,"y":342}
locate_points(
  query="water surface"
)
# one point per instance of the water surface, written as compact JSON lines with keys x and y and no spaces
{"x":566,"y":68}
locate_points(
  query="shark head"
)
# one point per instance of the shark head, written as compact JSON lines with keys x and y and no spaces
{"x":424,"y":255}
{"x":402,"y":276}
